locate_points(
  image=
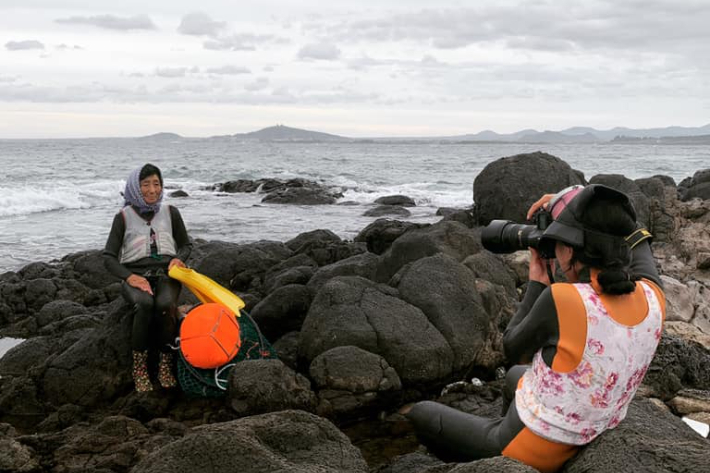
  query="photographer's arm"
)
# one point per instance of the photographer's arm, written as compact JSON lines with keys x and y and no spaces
{"x":534,"y":326}
{"x":643,"y":263}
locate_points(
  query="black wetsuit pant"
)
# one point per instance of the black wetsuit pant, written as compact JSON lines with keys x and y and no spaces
{"x":154,"y":317}
{"x":456,"y":436}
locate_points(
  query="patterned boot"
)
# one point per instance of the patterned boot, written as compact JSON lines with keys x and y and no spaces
{"x":165,"y":371}
{"x":140,"y":372}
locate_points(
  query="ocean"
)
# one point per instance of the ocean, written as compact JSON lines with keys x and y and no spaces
{"x":59,"y":196}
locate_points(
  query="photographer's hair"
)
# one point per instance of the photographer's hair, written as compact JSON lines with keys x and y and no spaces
{"x":606,"y":224}
{"x":150,"y":170}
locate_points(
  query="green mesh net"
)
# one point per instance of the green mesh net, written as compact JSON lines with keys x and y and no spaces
{"x":213,"y":382}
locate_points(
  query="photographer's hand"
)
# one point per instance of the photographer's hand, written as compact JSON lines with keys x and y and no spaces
{"x":543,"y":202}
{"x":538,"y":268}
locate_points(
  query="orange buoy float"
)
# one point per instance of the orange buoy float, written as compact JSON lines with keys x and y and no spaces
{"x":209,"y":336}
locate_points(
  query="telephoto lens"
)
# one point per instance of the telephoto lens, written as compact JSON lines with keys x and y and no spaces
{"x":506,"y":236}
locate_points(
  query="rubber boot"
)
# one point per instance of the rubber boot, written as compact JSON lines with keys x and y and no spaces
{"x":140,"y":372}
{"x":165,"y":371}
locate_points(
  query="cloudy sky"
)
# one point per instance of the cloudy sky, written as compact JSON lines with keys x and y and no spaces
{"x":80,"y":68}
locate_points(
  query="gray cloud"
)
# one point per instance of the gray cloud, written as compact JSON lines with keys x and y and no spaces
{"x":259,"y":84}
{"x":228,"y":70}
{"x":64,"y":47}
{"x":171,"y":72}
{"x":180,"y":93}
{"x":242,"y":42}
{"x":200,"y":24}
{"x":322,"y":50}
{"x":601,"y":25}
{"x":111,"y":22}
{"x":23,"y":45}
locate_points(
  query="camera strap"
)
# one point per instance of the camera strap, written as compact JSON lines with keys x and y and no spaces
{"x":637,"y":237}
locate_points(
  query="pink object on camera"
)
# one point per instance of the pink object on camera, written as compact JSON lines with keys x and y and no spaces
{"x":562,"y":198}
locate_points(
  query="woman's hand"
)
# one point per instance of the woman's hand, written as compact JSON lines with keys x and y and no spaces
{"x":538,"y":268}
{"x":175,"y":262}
{"x":543,"y":202}
{"x":139,"y":282}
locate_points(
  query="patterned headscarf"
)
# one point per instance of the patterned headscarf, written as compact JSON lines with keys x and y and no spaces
{"x":133,"y":196}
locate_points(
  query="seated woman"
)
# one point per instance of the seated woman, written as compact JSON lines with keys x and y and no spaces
{"x":590,"y":341}
{"x":146,"y":240}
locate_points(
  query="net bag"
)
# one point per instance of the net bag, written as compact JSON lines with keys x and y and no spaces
{"x":202,"y":382}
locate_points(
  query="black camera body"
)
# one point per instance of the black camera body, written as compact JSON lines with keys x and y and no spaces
{"x":506,"y":236}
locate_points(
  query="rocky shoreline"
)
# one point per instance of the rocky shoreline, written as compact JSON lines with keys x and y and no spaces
{"x":404,"y":312}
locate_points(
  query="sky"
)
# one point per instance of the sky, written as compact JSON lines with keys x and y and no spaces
{"x":93,"y":68}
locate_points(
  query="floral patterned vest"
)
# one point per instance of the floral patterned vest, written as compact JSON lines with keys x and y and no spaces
{"x":575,"y":407}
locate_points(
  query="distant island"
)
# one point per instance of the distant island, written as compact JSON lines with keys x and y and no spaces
{"x":667,"y":135}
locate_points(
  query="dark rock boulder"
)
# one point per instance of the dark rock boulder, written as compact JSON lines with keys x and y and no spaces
{"x":16,"y":457}
{"x":380,"y":234}
{"x":295,"y":275}
{"x":363,"y":265}
{"x":259,"y":386}
{"x":630,"y":188}
{"x":94,"y":369}
{"x":258,"y":444}
{"x":696,"y":187}
{"x":324,"y":247}
{"x":239,"y":185}
{"x":650,"y":439}
{"x":652,"y":187}
{"x":491,"y":267}
{"x":400,"y":200}
{"x":240,"y":267}
{"x":354,"y":311}
{"x":309,"y":239}
{"x":38,"y":270}
{"x":39,"y":292}
{"x":678,"y":363}
{"x":18,"y":360}
{"x":88,"y":268}
{"x":667,"y":181}
{"x":464,"y":216}
{"x":383,"y":210}
{"x":287,"y":349}
{"x":487,"y":465}
{"x":58,"y":310}
{"x":350,"y":379}
{"x":506,"y":188}
{"x":445,"y":290}
{"x":662,"y":204}
{"x":354,"y":370}
{"x":451,"y":238}
{"x":282,"y":311}
{"x":178,"y":194}
{"x":302,"y":196}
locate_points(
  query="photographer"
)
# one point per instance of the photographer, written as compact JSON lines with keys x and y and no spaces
{"x":589,"y":340}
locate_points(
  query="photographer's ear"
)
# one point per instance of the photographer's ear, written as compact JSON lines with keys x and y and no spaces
{"x":563,"y":254}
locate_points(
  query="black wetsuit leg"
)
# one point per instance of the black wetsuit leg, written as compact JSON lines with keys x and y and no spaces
{"x":453,"y":435}
{"x":167,"y":291}
{"x":153,"y":314}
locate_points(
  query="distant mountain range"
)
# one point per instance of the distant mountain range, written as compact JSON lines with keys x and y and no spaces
{"x":671,"y":134}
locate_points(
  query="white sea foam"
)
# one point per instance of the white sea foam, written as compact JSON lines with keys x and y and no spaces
{"x":30,"y":199}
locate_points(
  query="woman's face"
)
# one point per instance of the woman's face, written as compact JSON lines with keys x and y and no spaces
{"x":151,"y":189}
{"x":563,"y":254}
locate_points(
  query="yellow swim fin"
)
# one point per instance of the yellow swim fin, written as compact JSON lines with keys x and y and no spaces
{"x":205,"y":289}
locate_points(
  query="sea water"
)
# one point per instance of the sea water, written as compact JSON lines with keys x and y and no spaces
{"x":59,"y":196}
